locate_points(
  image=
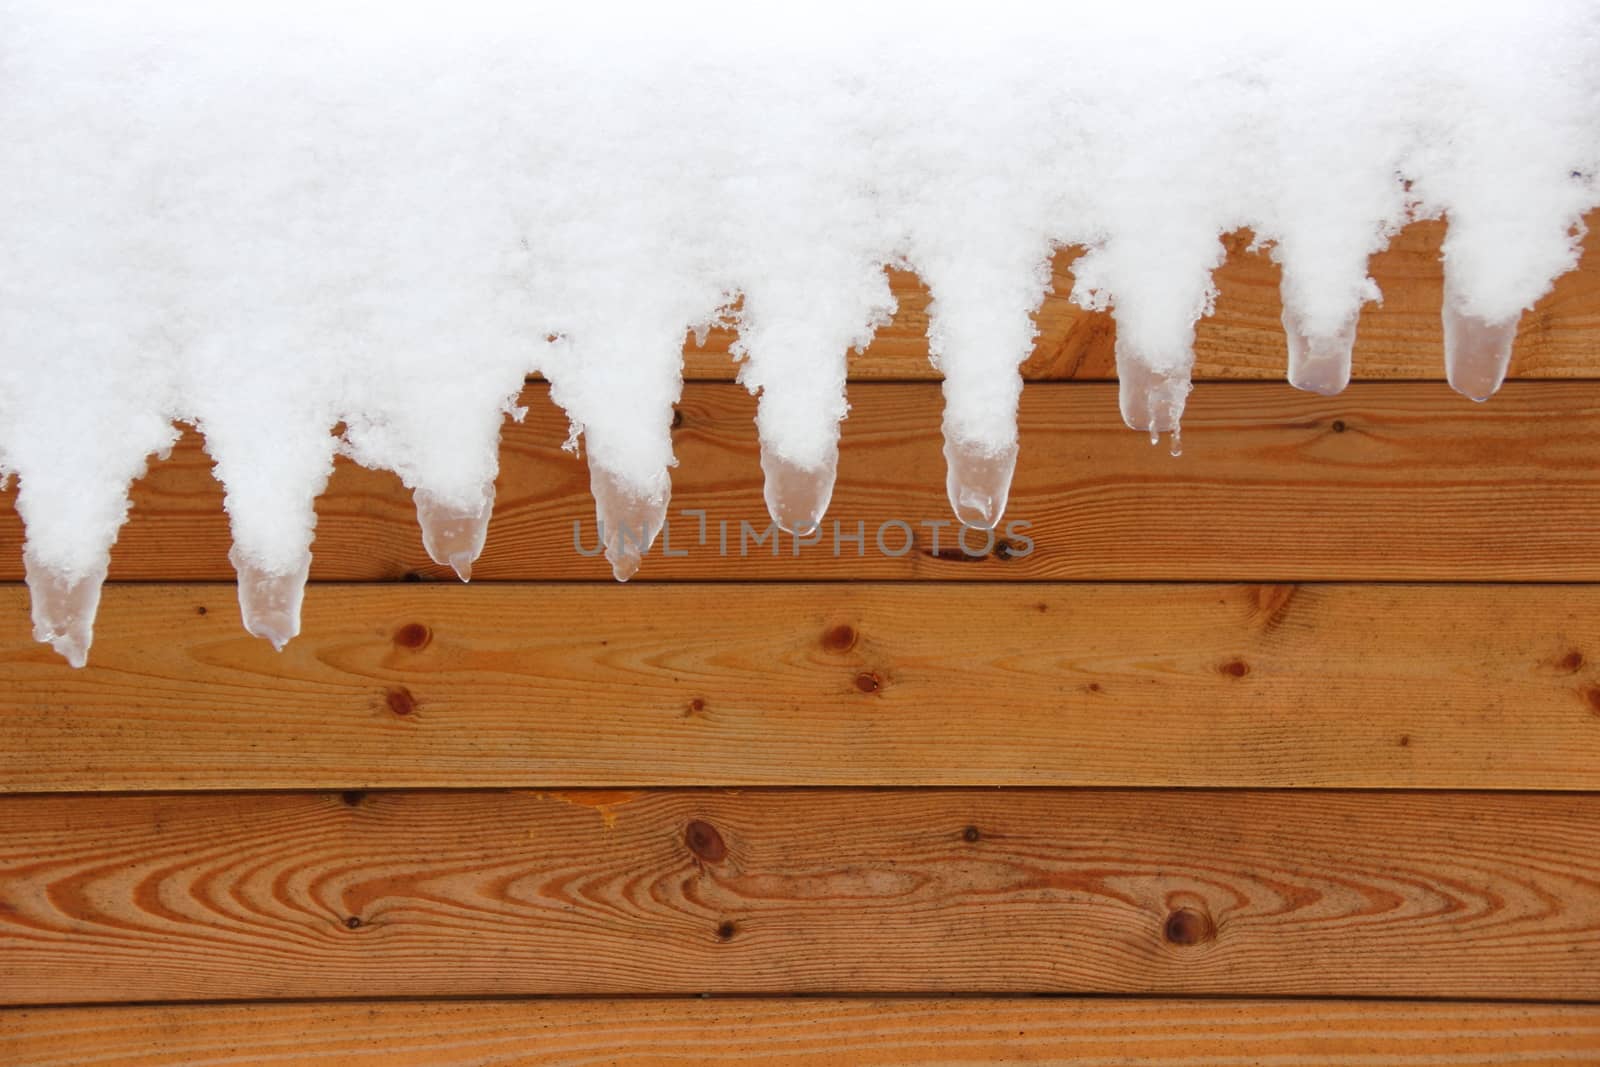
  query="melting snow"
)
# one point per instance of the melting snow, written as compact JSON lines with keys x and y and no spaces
{"x":280,"y":220}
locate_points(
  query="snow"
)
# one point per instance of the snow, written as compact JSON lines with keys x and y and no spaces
{"x":344,"y":226}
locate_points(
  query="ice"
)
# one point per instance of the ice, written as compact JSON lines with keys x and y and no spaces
{"x":978,"y":481}
{"x":1330,"y":204}
{"x":628,"y":520}
{"x":348,"y":227}
{"x":270,"y":601}
{"x":64,"y":607}
{"x":1156,"y":301}
{"x":1477,"y":354}
{"x":454,"y":533}
{"x":799,"y":374}
{"x":981,"y":389}
{"x":981,"y":240}
{"x":625,"y":422}
{"x":1151,"y":401}
{"x":797,"y":497}
{"x":979,"y":333}
{"x":798,"y":369}
{"x":803,"y":304}
{"x":1318,"y":363}
{"x":73,"y":501}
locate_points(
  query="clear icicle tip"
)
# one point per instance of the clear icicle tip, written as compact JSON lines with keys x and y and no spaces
{"x":628,"y":522}
{"x":452,"y":533}
{"x":1151,"y":401}
{"x":798,"y":497}
{"x":269,"y":603}
{"x":977,"y":480}
{"x":64,"y":609}
{"x":1477,"y":353}
{"x":1319,"y":363}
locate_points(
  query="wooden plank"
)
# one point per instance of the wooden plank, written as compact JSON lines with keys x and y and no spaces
{"x":805,"y":1033}
{"x":1387,"y":482}
{"x":442,"y":685}
{"x":1401,"y":338}
{"x":223,"y":896}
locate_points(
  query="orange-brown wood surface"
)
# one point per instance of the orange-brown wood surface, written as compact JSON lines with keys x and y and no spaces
{"x":806,"y":1033}
{"x":801,"y":684}
{"x":925,"y":891}
{"x":1458,"y":722}
{"x":1401,"y":338}
{"x":1386,"y":482}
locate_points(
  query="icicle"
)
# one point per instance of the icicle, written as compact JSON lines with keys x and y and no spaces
{"x":454,"y":533}
{"x":628,"y":521}
{"x":72,"y":503}
{"x":797,"y":497}
{"x":794,"y":341}
{"x":270,"y":602}
{"x":1477,"y":353}
{"x":64,"y":607}
{"x":978,"y":480}
{"x":979,"y":349}
{"x":1318,"y":363}
{"x":1151,"y":400}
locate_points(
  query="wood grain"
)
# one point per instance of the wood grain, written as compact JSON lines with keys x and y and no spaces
{"x":810,"y":1032}
{"x":1387,"y":482}
{"x":346,"y":893}
{"x":173,"y":897}
{"x":1401,"y":338}
{"x":1482,"y":687}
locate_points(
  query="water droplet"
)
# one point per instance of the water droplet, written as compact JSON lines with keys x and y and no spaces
{"x":797,"y":497}
{"x":978,"y":480}
{"x":269,"y":602}
{"x":453,"y":531}
{"x":1319,"y":363}
{"x":629,"y":521}
{"x":1477,"y":353}
{"x":64,"y":607}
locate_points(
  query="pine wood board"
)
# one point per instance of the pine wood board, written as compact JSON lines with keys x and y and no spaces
{"x":224,"y":896}
{"x":1404,"y":482}
{"x":434,"y":685}
{"x":806,"y":1032}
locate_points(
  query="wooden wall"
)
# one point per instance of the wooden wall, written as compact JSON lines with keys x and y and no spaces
{"x":1287,"y":750}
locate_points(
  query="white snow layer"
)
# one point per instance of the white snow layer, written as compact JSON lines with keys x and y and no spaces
{"x":310,"y":227}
